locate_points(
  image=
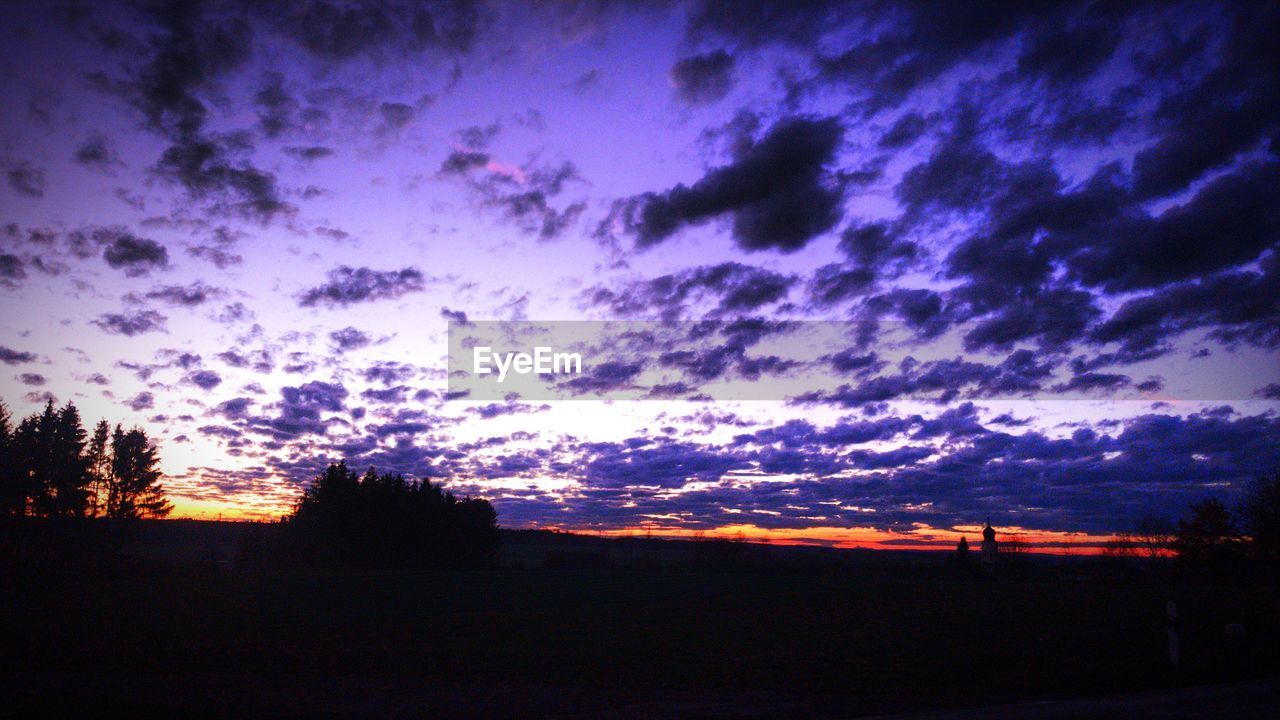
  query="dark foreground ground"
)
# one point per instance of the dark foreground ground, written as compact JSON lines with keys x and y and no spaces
{"x":651,"y":641}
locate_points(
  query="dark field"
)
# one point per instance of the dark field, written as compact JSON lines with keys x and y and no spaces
{"x":820,"y":634}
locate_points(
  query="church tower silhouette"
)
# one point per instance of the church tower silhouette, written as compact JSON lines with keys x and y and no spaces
{"x":990,"y":548}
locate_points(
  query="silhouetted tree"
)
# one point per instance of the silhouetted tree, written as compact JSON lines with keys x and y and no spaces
{"x":1151,"y":539}
{"x":69,"y":477}
{"x":1261,"y":512}
{"x":133,"y":489}
{"x":48,"y":465}
{"x":13,"y":497}
{"x":1209,"y":541}
{"x":382,"y":519}
{"x":98,"y":465}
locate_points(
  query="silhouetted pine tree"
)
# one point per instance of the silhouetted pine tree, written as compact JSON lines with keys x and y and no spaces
{"x":12,"y":486}
{"x":133,"y":488}
{"x":69,"y":476}
{"x":48,"y":469}
{"x":33,"y":450}
{"x":98,"y":461}
{"x":384,"y":520}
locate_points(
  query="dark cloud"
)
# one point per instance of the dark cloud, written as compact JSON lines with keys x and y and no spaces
{"x":218,"y":249}
{"x":1232,"y":106}
{"x":347,"y":286}
{"x":1019,"y":374}
{"x":192,"y":47}
{"x":9,"y":356}
{"x":131,"y":324}
{"x":764,"y":23}
{"x":462,"y":161}
{"x":233,"y":409}
{"x":386,"y":30}
{"x":135,"y":255}
{"x":34,"y":379}
{"x":204,"y":167}
{"x":204,"y":379}
{"x":605,"y":377}
{"x":388,"y":373}
{"x":1240,"y":305}
{"x":349,"y":338}
{"x":779,"y":191}
{"x":586,"y":81}
{"x":1230,"y":221}
{"x":25,"y":178}
{"x":197,"y":293}
{"x":276,"y":107}
{"x":141,"y":401}
{"x":96,"y":152}
{"x":309,"y":152}
{"x":904,"y":131}
{"x":455,"y":316}
{"x":732,"y":287}
{"x":703,"y":79}
{"x":664,"y":464}
{"x":524,"y":196}
{"x":396,"y":115}
{"x":874,"y":251}
{"x":11,"y":267}
{"x":301,"y":409}
{"x":478,"y":137}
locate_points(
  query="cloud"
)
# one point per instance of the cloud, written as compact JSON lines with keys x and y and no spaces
{"x":779,"y":191}
{"x":703,"y":79}
{"x":233,"y":409}
{"x":395,"y":116}
{"x":25,"y":178}
{"x":35,"y":379}
{"x":9,"y":356}
{"x":734,"y":288}
{"x":197,"y":293}
{"x":456,"y":316}
{"x":96,"y":152}
{"x":386,"y":30}
{"x":523,"y":195}
{"x":462,"y":161}
{"x":11,"y":268}
{"x":141,"y":401}
{"x":135,"y":255}
{"x":131,"y":324}
{"x":904,"y":131}
{"x":204,"y":379}
{"x":276,"y":107}
{"x":309,"y":152}
{"x":301,"y":408}
{"x":347,"y":286}
{"x":349,"y":338}
{"x":218,"y":249}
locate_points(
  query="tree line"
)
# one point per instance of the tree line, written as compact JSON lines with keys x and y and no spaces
{"x":1213,"y":540}
{"x":384,"y":520}
{"x":50,"y":466}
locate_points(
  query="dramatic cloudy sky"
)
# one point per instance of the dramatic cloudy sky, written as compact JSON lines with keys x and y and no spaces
{"x":1052,"y":235}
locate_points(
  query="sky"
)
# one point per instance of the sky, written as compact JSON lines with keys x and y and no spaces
{"x":1044,"y":243}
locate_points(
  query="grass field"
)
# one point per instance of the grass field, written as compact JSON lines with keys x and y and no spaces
{"x":775,"y":640}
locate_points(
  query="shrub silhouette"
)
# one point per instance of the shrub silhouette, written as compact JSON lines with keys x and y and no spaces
{"x":382,"y":520}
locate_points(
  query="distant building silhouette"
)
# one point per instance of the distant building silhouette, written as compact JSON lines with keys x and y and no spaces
{"x":990,"y":548}
{"x":962,"y":549}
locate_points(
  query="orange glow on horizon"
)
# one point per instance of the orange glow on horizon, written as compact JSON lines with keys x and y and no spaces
{"x":922,"y":537}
